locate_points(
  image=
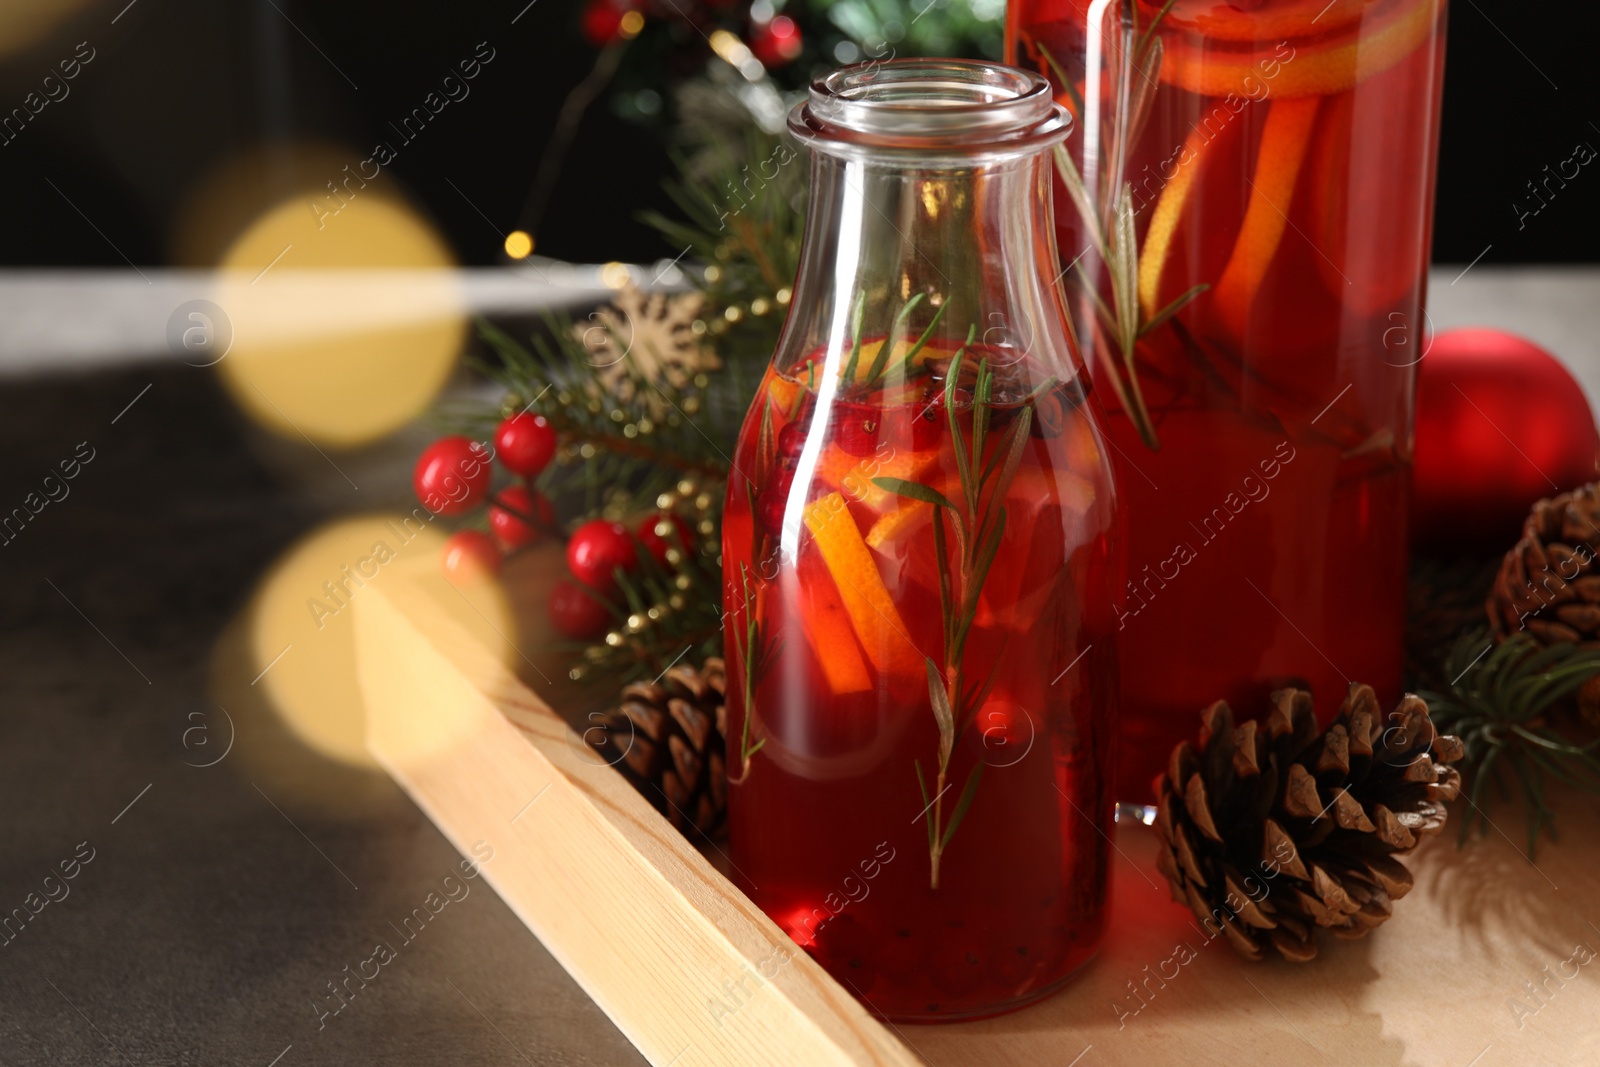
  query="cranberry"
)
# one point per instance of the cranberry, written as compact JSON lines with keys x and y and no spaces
{"x":597,"y":550}
{"x":452,"y":475}
{"x":525,"y":443}
{"x":575,"y":613}
{"x":772,"y":501}
{"x":657,"y":535}
{"x":469,"y":554}
{"x":509,"y":526}
{"x":791,"y":441}
{"x":857,"y":428}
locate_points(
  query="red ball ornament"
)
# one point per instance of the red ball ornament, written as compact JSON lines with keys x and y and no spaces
{"x":597,"y":549}
{"x":452,"y":475}
{"x":776,"y":43}
{"x":656,"y":542}
{"x":575,"y":613}
{"x":511,"y":530}
{"x":470,"y":554}
{"x":525,"y":443}
{"x":601,"y":21}
{"x":1500,"y":424}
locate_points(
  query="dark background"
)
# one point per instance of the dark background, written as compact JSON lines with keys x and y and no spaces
{"x":179,"y":85}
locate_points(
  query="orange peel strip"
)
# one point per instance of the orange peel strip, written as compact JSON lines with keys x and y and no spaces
{"x":1296,"y":18}
{"x":1164,"y":220}
{"x":892,"y":526}
{"x":831,"y":635}
{"x":866,"y":600}
{"x":1311,"y":70}
{"x":1284,"y":137}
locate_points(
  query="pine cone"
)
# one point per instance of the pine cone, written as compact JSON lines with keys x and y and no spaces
{"x":1549,"y":583}
{"x":667,"y":739}
{"x":1271,"y":830}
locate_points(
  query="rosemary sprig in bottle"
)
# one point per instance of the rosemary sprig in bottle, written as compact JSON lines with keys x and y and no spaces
{"x":978,"y":522}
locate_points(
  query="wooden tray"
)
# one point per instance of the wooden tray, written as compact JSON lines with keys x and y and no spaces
{"x":1491,"y":960}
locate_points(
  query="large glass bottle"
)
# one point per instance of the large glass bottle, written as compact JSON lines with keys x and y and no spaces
{"x":919,"y":562}
{"x":1246,"y":219}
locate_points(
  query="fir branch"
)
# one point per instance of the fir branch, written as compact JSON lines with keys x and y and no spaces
{"x":1502,"y":703}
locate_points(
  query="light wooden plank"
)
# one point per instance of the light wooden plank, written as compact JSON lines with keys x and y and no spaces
{"x":688,"y":968}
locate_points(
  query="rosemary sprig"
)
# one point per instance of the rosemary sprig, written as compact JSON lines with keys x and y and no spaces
{"x":1107,"y":215}
{"x":757,"y":655}
{"x":1500,"y":704}
{"x":978,"y":522}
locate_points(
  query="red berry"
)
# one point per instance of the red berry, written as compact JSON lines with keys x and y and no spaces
{"x":575,"y":613}
{"x":858,"y":427}
{"x":525,"y":443}
{"x":511,"y":530}
{"x":791,"y":441}
{"x":777,"y":43}
{"x":470,"y":554}
{"x":597,"y":549}
{"x":452,"y":475}
{"x":656,"y":536}
{"x":772,"y":501}
{"x":602,"y":21}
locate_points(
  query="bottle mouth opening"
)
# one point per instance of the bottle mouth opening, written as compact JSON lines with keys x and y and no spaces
{"x":930,"y":104}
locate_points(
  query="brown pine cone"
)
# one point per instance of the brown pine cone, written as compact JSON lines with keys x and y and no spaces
{"x":666,"y":738}
{"x":1549,"y":583}
{"x":1271,"y":830}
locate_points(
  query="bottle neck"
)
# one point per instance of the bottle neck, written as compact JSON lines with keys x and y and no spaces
{"x":972,"y":234}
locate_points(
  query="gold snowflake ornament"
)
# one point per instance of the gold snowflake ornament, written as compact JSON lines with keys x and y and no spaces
{"x":644,"y":344}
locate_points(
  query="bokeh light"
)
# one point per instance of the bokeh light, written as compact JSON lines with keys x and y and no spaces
{"x":519,"y":245}
{"x":299,"y":639}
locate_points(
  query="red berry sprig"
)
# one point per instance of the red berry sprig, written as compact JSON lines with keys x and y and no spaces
{"x":597,"y":550}
{"x":576,"y":613}
{"x":526,"y":443}
{"x":509,"y":515}
{"x":452,"y":475}
{"x":469,"y":555}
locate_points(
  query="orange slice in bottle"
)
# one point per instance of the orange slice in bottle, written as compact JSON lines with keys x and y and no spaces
{"x":897,"y":355}
{"x":1284,"y":137}
{"x":853,"y":475}
{"x":872,"y":611}
{"x":1283,"y":18}
{"x":1387,"y":32}
{"x":783,"y":393}
{"x":831,"y":634}
{"x":1164,"y":220}
{"x":894,"y":526}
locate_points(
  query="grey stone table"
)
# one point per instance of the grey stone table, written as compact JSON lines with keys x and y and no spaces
{"x":210,"y":908}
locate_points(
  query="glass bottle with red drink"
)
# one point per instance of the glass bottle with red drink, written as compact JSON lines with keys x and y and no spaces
{"x":1245,"y":221}
{"x":919,"y":562}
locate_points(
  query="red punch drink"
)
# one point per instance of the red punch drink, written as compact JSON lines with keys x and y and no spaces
{"x":919,"y":566}
{"x":1246,"y":215}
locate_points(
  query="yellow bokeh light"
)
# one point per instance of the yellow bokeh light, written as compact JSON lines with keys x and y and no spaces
{"x":519,"y":245}
{"x":346,"y":314}
{"x":300,"y":625}
{"x":615,"y":275}
{"x":631,"y":24}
